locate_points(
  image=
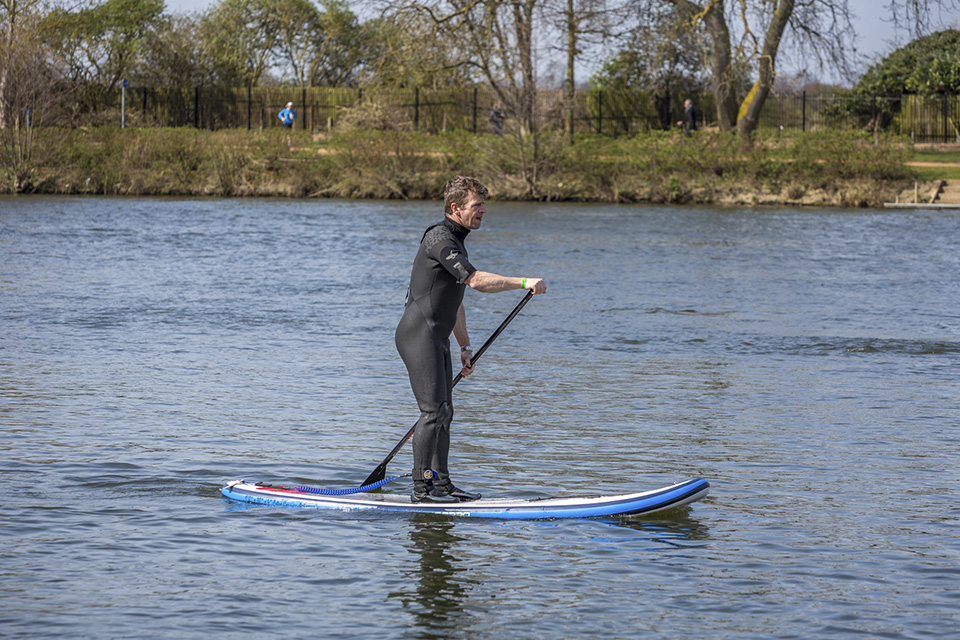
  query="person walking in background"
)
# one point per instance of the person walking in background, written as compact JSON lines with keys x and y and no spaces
{"x":689,"y":122}
{"x":496,"y":119}
{"x":287,"y":115}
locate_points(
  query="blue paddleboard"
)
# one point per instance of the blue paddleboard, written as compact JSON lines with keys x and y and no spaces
{"x":503,"y":508}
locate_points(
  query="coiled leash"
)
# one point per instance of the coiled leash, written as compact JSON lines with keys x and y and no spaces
{"x":345,"y":492}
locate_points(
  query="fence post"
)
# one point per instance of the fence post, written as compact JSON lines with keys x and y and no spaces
{"x":955,"y":109}
{"x":249,"y":108}
{"x":803,"y":110}
{"x":196,"y":107}
{"x":474,"y":111}
{"x":303,"y":103}
{"x":669,"y":111}
{"x":600,"y":112}
{"x":416,"y":108}
{"x":943,"y":109}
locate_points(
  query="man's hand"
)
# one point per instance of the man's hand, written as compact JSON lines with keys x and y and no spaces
{"x":537,"y":285}
{"x":466,"y":360}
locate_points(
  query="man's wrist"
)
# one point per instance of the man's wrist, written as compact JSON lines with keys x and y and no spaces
{"x":466,"y":348}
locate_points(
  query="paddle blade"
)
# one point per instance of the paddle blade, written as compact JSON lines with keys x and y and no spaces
{"x":378,"y":474}
{"x":381,"y":471}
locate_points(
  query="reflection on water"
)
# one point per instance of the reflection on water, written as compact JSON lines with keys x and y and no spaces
{"x":672,"y":527}
{"x":450,"y":568}
{"x":441,"y":582}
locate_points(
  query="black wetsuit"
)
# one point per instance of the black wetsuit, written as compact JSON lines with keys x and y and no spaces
{"x":423,"y":340}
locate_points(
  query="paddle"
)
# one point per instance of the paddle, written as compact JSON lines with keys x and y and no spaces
{"x":380,"y":472}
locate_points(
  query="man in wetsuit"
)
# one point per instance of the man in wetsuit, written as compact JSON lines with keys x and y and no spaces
{"x":434,"y":310}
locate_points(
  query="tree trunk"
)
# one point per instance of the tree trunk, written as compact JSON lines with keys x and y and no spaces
{"x":3,"y":95}
{"x":750,"y":109}
{"x":571,"y":59}
{"x":715,"y":22}
{"x":6,"y":52}
{"x":523,"y":29}
{"x":720,"y":62}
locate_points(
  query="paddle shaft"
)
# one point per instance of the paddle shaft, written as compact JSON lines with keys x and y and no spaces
{"x":380,"y":472}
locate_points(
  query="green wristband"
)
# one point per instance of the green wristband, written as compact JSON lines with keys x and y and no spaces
{"x":523,"y":283}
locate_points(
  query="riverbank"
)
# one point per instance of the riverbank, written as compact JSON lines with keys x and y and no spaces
{"x":814,"y":169}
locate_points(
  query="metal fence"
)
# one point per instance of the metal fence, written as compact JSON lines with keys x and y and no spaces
{"x":922,"y":118}
{"x":614,"y":113}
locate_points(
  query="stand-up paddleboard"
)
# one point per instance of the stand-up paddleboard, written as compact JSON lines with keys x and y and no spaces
{"x":504,"y":508}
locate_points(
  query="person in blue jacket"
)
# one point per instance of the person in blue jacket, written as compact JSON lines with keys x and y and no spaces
{"x":287,"y":115}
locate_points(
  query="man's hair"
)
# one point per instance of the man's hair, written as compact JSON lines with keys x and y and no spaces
{"x":459,"y":189}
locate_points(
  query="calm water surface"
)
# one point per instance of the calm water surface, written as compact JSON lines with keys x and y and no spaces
{"x":806,"y":362}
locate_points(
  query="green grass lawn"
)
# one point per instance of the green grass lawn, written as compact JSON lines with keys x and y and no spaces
{"x":949,"y":159}
{"x":927,"y":174}
{"x":932,"y":155}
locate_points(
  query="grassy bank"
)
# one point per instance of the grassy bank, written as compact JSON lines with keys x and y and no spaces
{"x":931,"y":162}
{"x":844,"y":169}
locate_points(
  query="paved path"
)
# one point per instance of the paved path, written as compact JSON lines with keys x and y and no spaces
{"x":949,"y":193}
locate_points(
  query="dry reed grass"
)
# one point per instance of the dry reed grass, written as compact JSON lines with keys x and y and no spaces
{"x":394,"y":163}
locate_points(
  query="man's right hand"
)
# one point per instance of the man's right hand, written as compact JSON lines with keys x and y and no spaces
{"x":537,"y":285}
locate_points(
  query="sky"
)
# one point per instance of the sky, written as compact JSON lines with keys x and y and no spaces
{"x":877,"y":37}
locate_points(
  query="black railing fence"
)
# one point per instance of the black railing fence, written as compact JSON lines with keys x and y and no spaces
{"x":614,"y":113}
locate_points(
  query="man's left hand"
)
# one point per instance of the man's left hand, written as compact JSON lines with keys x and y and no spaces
{"x":466,"y":358}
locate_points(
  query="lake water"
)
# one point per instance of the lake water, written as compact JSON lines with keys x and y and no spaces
{"x":805,"y":362}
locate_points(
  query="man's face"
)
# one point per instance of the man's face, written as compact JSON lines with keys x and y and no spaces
{"x":471,"y":214}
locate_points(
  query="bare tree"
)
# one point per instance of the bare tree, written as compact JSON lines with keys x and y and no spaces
{"x":495,"y":38}
{"x":13,"y":14}
{"x":403,"y":48}
{"x":823,"y":26}
{"x":32,"y":92}
{"x":583,"y":22}
{"x":754,"y":32}
{"x":660,"y":54}
{"x":915,"y":16}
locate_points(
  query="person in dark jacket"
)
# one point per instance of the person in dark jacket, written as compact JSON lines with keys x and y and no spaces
{"x":496,"y":119}
{"x":689,"y":122}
